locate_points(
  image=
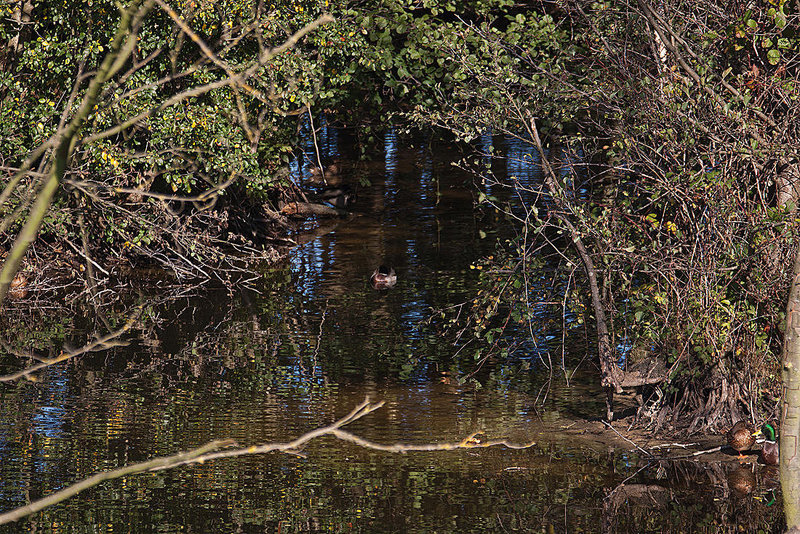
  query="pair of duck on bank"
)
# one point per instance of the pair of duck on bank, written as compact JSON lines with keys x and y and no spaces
{"x":741,"y":437}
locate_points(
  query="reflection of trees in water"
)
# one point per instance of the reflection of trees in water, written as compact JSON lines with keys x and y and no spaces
{"x":691,"y":496}
{"x":212,"y":367}
{"x":178,"y":338}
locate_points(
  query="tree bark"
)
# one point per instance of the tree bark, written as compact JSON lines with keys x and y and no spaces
{"x":20,"y":17}
{"x":788,"y":183}
{"x":790,"y":426}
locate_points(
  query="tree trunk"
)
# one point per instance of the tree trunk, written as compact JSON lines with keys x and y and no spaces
{"x":788,"y":183}
{"x":790,"y":426}
{"x":20,"y":18}
{"x":612,"y":375}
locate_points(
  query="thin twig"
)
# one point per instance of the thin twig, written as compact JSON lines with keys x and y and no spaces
{"x":609,"y":425}
{"x":103,"y":343}
{"x":316,"y":146}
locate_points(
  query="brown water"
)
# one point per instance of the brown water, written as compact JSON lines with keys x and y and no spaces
{"x":307,"y":345}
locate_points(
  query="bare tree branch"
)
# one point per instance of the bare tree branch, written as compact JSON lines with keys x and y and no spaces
{"x":102,"y":343}
{"x":66,"y":493}
{"x":206,"y":453}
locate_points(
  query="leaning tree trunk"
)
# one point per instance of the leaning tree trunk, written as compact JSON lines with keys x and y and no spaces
{"x":790,"y":426}
{"x":612,"y":375}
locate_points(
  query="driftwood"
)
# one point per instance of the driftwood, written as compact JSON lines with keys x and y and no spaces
{"x":646,"y":372}
{"x":211,"y":451}
{"x":310,"y":209}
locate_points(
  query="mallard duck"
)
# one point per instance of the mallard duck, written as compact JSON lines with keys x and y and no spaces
{"x":742,"y":481}
{"x":741,"y":437}
{"x":383,"y":278}
{"x":770,"y":450}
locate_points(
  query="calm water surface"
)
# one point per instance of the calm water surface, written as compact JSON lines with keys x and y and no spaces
{"x":307,"y":344}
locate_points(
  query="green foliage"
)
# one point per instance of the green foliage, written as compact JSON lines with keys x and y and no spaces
{"x":245,"y":131}
{"x":680,"y":206}
{"x":374,"y":59}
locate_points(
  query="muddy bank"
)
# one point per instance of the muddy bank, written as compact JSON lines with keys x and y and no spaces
{"x":625,"y":435}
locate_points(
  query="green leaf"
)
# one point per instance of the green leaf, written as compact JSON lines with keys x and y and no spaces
{"x":774,"y":56}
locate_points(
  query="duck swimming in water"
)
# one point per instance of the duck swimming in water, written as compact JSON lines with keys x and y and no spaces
{"x":383,"y":278}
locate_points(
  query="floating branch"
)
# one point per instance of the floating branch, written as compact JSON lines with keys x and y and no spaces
{"x":207,"y":452}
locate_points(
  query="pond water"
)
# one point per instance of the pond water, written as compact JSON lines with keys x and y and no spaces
{"x":308,"y":343}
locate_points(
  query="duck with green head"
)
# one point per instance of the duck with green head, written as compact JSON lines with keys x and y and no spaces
{"x":770,"y":450}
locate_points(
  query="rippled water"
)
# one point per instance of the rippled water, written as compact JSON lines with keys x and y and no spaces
{"x":310,"y":342}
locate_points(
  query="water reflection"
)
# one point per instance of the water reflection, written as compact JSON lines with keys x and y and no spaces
{"x":312,"y":343}
{"x":49,"y":418}
{"x":390,"y":164}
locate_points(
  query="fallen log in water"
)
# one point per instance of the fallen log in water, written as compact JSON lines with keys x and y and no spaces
{"x":309,"y":209}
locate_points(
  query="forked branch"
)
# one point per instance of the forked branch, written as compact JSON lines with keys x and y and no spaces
{"x":207,"y":452}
